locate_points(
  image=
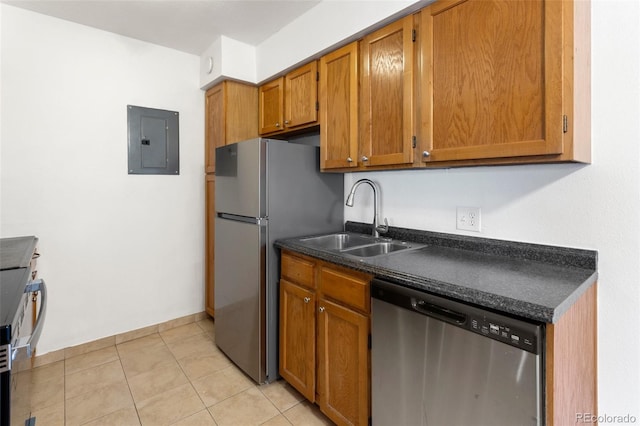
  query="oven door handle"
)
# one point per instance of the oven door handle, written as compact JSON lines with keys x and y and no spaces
{"x":32,"y":340}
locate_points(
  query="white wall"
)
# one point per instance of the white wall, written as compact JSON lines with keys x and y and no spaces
{"x":119,"y":251}
{"x":595,"y":206}
{"x":327,"y":24}
{"x":230,"y":59}
{"x":330,"y":23}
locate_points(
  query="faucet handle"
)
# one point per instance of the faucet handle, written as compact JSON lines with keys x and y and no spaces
{"x":383,"y":229}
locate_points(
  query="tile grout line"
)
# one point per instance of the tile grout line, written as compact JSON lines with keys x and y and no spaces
{"x":189,"y":379}
{"x":257,"y":387}
{"x":135,"y":406}
{"x":273,"y":392}
{"x":64,"y":390}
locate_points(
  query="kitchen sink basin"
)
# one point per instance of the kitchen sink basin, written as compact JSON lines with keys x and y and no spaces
{"x":376,"y":249}
{"x":359,"y":246}
{"x":341,"y":241}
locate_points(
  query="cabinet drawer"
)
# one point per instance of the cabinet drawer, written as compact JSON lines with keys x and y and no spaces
{"x":298,"y":270}
{"x":347,"y":288}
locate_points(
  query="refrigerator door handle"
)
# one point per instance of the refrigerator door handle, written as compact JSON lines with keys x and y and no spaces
{"x":261,"y":221}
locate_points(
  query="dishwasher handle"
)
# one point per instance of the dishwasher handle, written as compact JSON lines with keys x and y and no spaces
{"x":439,"y":312}
{"x":515,"y":332}
{"x":421,"y":302}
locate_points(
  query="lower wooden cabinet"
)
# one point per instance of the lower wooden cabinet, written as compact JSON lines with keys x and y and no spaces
{"x":571,"y":362}
{"x":210,"y":211}
{"x":297,"y":338}
{"x":343,"y":363}
{"x":324,"y":336}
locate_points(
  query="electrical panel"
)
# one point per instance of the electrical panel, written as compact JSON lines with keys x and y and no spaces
{"x":153,"y":141}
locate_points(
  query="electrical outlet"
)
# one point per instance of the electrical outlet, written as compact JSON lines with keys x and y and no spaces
{"x":468,"y":218}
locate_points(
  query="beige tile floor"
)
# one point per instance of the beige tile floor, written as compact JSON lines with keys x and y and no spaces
{"x":174,"y":377}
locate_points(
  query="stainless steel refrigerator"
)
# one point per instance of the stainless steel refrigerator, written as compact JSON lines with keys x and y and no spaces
{"x":265,"y":190}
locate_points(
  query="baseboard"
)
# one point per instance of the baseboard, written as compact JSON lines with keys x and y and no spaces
{"x":62,"y":354}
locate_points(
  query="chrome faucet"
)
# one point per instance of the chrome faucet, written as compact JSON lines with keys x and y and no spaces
{"x":377,"y":228}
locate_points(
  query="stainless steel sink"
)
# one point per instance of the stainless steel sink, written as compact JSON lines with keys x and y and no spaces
{"x":357,"y":245}
{"x":340,"y":241}
{"x":376,"y":249}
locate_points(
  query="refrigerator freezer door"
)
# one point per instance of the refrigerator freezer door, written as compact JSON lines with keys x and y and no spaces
{"x":241,"y":178}
{"x":240,"y":299}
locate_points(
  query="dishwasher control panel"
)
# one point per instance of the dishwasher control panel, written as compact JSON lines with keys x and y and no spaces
{"x":512,"y":331}
{"x":505,"y":332}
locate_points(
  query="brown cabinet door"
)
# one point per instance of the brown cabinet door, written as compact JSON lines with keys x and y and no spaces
{"x":231,"y":115}
{"x":386,"y":115}
{"x":298,"y":338}
{"x":215,"y":128}
{"x":343,"y":364}
{"x":301,"y":96}
{"x":339,"y":108}
{"x":493,"y":73}
{"x":240,"y":112}
{"x":210,"y":212}
{"x":271,"y":101}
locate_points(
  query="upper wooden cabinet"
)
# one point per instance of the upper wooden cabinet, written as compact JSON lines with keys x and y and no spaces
{"x":290,"y":102}
{"x":501,"y":81}
{"x":466,"y":82}
{"x":231,"y":115}
{"x":339,"y":108}
{"x":272,"y":106}
{"x":387,"y":84}
{"x":301,"y":96}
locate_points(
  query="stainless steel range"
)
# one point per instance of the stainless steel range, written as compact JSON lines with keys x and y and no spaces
{"x":20,"y":327}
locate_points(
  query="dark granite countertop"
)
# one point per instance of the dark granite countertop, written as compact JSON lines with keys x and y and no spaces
{"x":532,"y":281}
{"x":16,"y":252}
{"x":15,"y":273}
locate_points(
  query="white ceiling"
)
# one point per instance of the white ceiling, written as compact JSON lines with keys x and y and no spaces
{"x":186,"y":25}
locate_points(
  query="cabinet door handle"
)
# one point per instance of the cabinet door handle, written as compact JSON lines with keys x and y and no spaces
{"x":277,"y":124}
{"x":349,"y":160}
{"x":286,"y":122}
{"x":426,"y":154}
{"x":321,"y":309}
{"x":365,"y":158}
{"x":307,"y":299}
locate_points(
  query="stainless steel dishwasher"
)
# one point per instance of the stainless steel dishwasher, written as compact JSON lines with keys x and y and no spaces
{"x":435,"y":361}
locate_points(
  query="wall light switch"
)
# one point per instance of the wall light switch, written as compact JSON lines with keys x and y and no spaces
{"x":468,"y":218}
